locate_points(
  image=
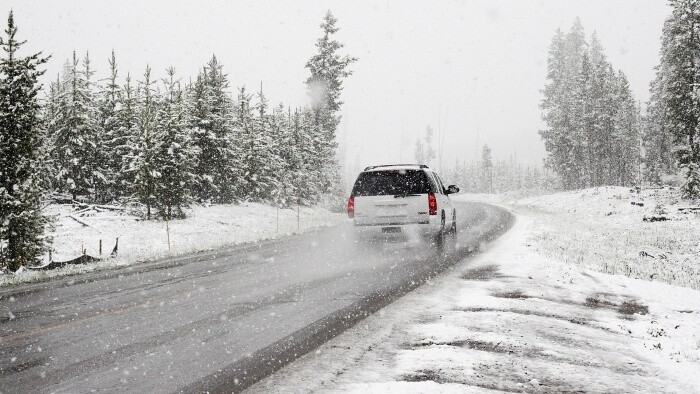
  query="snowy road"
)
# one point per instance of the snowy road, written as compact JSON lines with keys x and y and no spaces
{"x":210,"y":322}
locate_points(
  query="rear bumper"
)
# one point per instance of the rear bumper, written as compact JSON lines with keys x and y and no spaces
{"x":383,"y":221}
{"x":398,"y":230}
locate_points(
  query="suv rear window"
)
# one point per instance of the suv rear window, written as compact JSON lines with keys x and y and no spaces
{"x":393,"y":182}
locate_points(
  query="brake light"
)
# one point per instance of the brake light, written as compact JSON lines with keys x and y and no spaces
{"x":432,"y":204}
{"x":351,"y":207}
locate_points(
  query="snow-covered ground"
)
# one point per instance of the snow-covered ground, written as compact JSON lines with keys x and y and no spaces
{"x":205,"y":228}
{"x":525,"y":316}
{"x":645,"y":234}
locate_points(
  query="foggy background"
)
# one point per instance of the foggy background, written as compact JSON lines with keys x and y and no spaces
{"x":466,"y":67}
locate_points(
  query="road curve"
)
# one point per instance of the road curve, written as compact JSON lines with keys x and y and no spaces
{"x":216,"y":321}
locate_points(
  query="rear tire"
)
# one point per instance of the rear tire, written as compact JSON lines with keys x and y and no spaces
{"x":454,"y":222}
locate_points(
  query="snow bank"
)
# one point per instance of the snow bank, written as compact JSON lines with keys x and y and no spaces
{"x":205,"y":228}
{"x":646,"y":234}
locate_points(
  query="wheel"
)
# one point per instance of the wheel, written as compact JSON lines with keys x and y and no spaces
{"x":439,"y":240}
{"x":453,"y":228}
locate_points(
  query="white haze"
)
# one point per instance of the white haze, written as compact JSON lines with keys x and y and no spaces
{"x":460,"y":66}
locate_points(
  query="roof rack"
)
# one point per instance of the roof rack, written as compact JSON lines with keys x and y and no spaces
{"x":396,"y":165}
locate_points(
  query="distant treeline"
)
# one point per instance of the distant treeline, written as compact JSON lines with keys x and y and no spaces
{"x":497,"y":175}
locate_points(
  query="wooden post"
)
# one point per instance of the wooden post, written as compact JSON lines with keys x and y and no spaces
{"x":100,"y":247}
{"x":167,"y":230}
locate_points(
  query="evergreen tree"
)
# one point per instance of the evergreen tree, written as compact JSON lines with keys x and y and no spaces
{"x":50,"y":117}
{"x":251,"y":121}
{"x":305,"y":173}
{"x":328,"y":68}
{"x":268,"y":158}
{"x":124,"y":142}
{"x":110,"y":103}
{"x":626,"y":142}
{"x":429,"y":151}
{"x":175,"y":153}
{"x":143,"y":162}
{"x":22,"y":223}
{"x":213,"y":135}
{"x":419,"y":152}
{"x":282,"y":148}
{"x":77,"y":134}
{"x":556,"y":114}
{"x":97,"y":161}
{"x":486,"y":170}
{"x":657,"y":139}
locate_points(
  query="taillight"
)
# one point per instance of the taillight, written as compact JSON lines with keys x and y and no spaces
{"x":432,"y":204}
{"x":351,"y":207}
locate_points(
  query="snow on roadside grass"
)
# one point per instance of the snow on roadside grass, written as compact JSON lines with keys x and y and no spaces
{"x":604,"y":229}
{"x":512,"y":319}
{"x":205,"y":228}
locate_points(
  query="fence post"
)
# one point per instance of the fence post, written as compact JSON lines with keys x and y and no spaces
{"x":167,"y":230}
{"x":100,"y":247}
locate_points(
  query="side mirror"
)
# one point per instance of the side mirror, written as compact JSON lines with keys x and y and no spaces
{"x":452,"y":189}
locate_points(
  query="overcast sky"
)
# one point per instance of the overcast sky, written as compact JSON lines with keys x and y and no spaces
{"x":459,"y":65}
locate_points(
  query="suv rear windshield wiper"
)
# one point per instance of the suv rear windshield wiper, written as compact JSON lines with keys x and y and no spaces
{"x":405,"y":195}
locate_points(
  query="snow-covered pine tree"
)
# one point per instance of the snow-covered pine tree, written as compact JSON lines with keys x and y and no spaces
{"x":143,"y":162}
{"x":124,"y":143}
{"x":576,"y":81}
{"x":77,"y":133}
{"x":304,"y":172}
{"x":252,"y":124}
{"x":328,"y":68}
{"x":486,"y":175}
{"x":246,"y":142}
{"x":50,"y":115}
{"x":22,"y":223}
{"x":212,"y":120}
{"x":110,"y":103}
{"x":176,"y":154}
{"x":429,"y":151}
{"x":602,"y":106}
{"x":267,"y":163}
{"x":556,"y":114}
{"x":283,"y":148}
{"x":97,"y":162}
{"x":680,"y":65}
{"x":586,"y":133}
{"x":657,"y":141}
{"x":626,"y":138}
{"x":419,"y":152}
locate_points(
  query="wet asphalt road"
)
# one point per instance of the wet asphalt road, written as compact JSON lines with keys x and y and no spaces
{"x":216,"y":321}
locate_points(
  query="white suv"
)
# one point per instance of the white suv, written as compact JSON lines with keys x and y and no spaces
{"x":402,"y":198}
